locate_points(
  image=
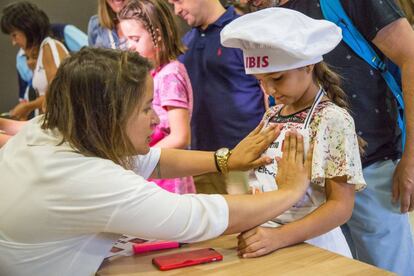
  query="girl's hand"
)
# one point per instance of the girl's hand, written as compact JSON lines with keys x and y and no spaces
{"x":257,"y":242}
{"x":248,"y":153}
{"x":293,"y":172}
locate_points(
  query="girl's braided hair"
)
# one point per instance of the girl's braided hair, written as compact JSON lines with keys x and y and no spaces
{"x":331,"y":83}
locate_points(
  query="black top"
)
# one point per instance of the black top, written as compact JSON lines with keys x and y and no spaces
{"x":373,"y":107}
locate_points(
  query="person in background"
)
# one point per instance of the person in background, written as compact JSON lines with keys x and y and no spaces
{"x":29,"y":29}
{"x":379,"y":231}
{"x":103,"y":28}
{"x":149,"y":29}
{"x":310,"y":101}
{"x":227,"y":102}
{"x":73,"y":39}
{"x":85,"y":163}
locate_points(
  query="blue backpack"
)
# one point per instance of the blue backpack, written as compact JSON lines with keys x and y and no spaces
{"x":333,"y":11}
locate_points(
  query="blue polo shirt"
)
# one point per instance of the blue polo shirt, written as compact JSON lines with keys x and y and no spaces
{"x":228,"y":104}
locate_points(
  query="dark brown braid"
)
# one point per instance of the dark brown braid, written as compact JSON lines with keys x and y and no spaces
{"x":330,"y":82}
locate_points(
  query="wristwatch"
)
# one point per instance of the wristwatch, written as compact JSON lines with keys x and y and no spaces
{"x":221,"y":156}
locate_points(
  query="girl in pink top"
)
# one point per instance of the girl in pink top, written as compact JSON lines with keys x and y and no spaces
{"x":149,"y":29}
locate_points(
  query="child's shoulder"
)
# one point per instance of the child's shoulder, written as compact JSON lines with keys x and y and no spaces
{"x":172,"y":68}
{"x":330,"y":114}
{"x":173,"y":65}
{"x":330,"y":111}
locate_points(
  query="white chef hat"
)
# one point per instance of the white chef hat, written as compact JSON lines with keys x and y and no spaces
{"x":279,"y":39}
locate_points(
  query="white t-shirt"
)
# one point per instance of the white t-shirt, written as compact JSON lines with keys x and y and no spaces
{"x":60,"y":212}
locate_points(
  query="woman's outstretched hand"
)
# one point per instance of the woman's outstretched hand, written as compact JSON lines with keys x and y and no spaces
{"x":248,"y":153}
{"x":293,"y":171}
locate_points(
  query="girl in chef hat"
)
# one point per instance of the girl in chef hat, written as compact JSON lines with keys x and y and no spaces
{"x":287,"y":60}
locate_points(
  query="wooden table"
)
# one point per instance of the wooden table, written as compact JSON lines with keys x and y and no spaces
{"x":302,"y":259}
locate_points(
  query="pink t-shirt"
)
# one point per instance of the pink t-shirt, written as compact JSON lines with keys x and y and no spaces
{"x":172,"y":87}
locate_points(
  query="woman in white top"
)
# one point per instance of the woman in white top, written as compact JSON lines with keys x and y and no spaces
{"x":73,"y":179}
{"x":29,"y":28}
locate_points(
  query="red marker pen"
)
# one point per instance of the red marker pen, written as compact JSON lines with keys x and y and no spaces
{"x":152,"y":246}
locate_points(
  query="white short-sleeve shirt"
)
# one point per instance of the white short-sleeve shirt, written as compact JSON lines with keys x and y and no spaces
{"x":60,"y":212}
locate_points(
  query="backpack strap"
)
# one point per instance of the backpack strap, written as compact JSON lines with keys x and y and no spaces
{"x":333,"y":11}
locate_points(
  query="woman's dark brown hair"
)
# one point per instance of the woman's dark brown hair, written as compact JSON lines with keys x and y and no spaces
{"x":27,"y":18}
{"x":89,"y":101}
{"x":331,"y":83}
{"x":158,"y":20}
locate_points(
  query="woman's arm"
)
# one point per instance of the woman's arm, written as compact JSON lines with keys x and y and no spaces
{"x":247,"y":211}
{"x":4,"y":138}
{"x":395,"y":40}
{"x":179,"y":137}
{"x":93,"y":25}
{"x":197,"y":217}
{"x":49,"y":61}
{"x":10,"y":127}
{"x":246,"y":155}
{"x":336,"y":211}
